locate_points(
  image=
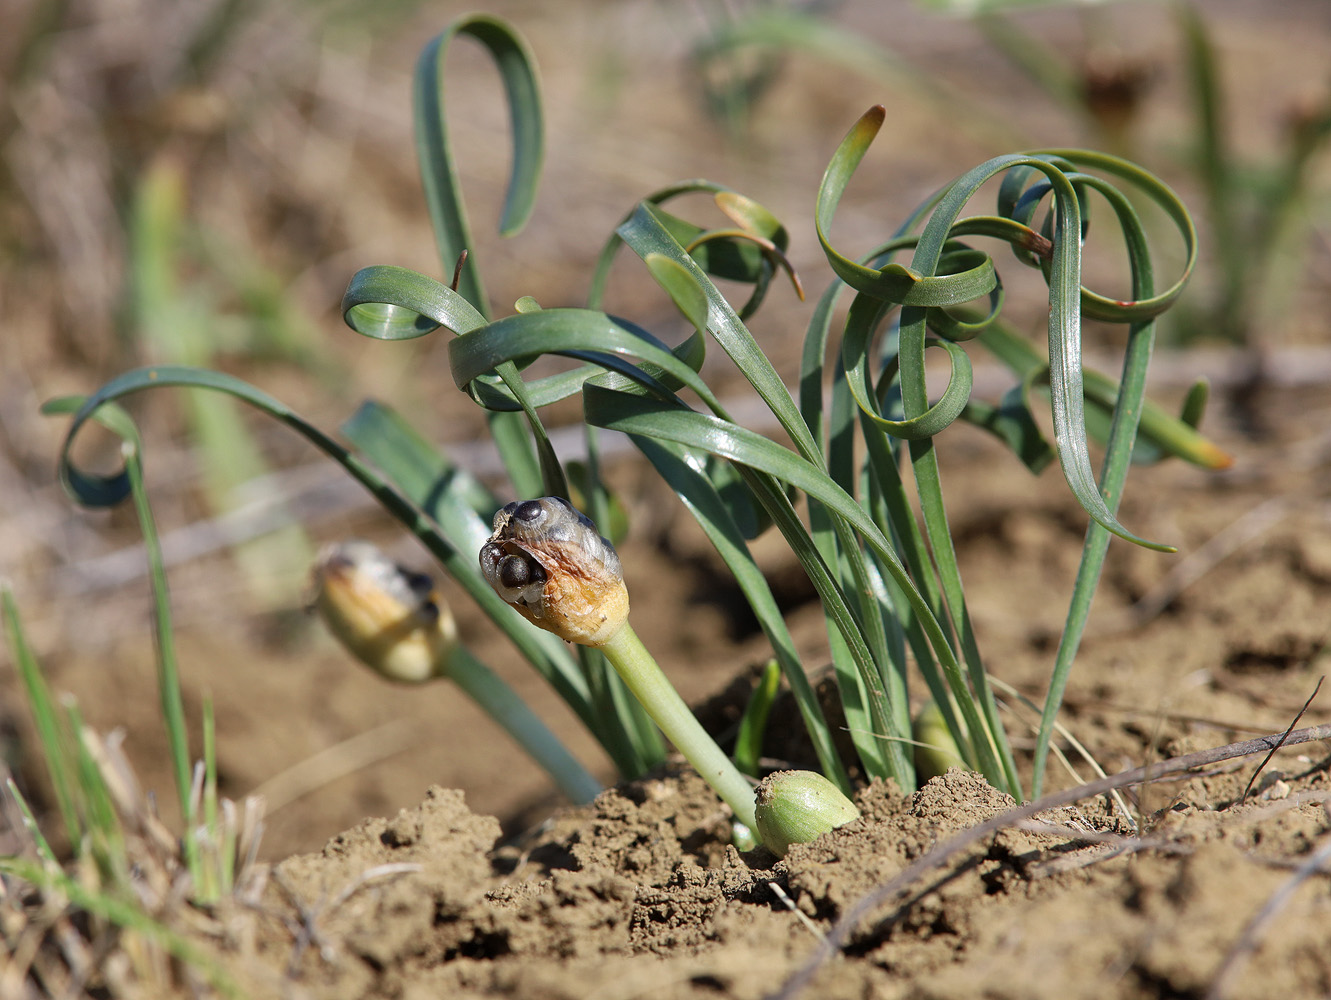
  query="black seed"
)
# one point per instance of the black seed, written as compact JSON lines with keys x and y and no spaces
{"x":420,"y":583}
{"x":529,"y":510}
{"x":514,"y":572}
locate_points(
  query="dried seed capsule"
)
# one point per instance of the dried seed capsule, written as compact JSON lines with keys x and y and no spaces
{"x":795,"y":807}
{"x":388,"y":617}
{"x":549,"y":562}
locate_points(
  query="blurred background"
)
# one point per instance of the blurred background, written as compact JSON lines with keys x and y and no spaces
{"x":196,"y":181}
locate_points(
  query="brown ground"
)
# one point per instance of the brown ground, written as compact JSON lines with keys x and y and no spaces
{"x":638,"y":894}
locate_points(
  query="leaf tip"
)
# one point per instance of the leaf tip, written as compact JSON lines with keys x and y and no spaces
{"x":870,"y":122}
{"x":1215,"y":457}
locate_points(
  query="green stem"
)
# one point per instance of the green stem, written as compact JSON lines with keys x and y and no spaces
{"x":497,"y":699}
{"x":650,"y":686}
{"x":168,"y":674}
{"x":753,"y":724}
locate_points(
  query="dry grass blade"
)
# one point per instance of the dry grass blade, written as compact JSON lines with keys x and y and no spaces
{"x":129,"y":799}
{"x":1065,"y":733}
{"x":800,"y":915}
{"x":118,"y":919}
{"x":250,"y":876}
{"x":1217,"y":548}
{"x":338,"y":761}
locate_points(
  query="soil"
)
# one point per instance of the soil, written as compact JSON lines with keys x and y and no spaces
{"x":489,"y":886}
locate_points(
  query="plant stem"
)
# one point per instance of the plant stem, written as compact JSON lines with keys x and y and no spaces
{"x":168,"y":673}
{"x":753,"y":724}
{"x":498,"y":701}
{"x":650,"y":686}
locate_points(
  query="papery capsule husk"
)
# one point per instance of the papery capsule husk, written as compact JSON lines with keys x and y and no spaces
{"x":388,"y":617}
{"x":568,"y":579}
{"x":796,"y":807}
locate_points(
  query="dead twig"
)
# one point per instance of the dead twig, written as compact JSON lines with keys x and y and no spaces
{"x":337,"y":761}
{"x":1202,"y":560}
{"x":959,"y":842}
{"x":789,"y":904}
{"x":1117,"y":845}
{"x":1267,"y":759}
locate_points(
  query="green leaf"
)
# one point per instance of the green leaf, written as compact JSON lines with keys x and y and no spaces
{"x":753,"y":723}
{"x":753,"y":217}
{"x":664,"y":421}
{"x":1161,"y":431}
{"x":1194,"y":403}
{"x":393,"y":303}
{"x":687,"y":295}
{"x":892,"y":282}
{"x":1065,"y":305}
{"x":645,"y":234}
{"x":711,"y":512}
{"x":1012,"y":422}
{"x":448,"y":493}
{"x":579,"y":333}
{"x":531,"y":473}
{"x":861,"y":323}
{"x":54,"y":739}
{"x":517,"y":69}
{"x":726,"y":259}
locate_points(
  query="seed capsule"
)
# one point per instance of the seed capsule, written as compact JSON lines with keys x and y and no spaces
{"x":795,"y":807}
{"x":935,"y":749}
{"x":388,"y":617}
{"x":549,"y":562}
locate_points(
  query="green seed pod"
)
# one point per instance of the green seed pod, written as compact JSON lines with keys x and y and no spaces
{"x":935,"y":749}
{"x":795,"y":807}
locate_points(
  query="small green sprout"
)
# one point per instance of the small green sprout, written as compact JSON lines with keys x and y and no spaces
{"x":395,"y":622}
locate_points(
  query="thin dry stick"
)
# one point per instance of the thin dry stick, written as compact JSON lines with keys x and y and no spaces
{"x":337,"y":761}
{"x":800,"y":915}
{"x":959,"y":842}
{"x":1251,"y":935}
{"x":1117,"y":845}
{"x":1267,"y":759}
{"x":1216,"y":549}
